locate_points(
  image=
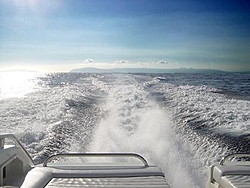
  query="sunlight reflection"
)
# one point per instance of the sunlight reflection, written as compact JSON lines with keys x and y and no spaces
{"x":17,"y":84}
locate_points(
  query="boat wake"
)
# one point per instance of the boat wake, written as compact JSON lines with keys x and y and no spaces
{"x":179,"y":127}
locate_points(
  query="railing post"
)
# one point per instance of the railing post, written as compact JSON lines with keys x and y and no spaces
{"x":1,"y":143}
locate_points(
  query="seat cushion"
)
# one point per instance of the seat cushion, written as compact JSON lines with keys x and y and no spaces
{"x":51,"y":176}
{"x":119,"y":182}
{"x":235,"y":181}
{"x":232,"y":176}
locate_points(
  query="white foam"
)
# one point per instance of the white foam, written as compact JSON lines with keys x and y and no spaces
{"x":132,"y":121}
{"x":212,"y":111}
{"x":136,"y":124}
{"x":218,"y":111}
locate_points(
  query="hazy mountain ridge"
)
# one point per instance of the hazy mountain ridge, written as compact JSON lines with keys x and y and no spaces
{"x":145,"y":70}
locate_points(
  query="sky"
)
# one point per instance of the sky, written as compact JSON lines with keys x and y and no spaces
{"x":61,"y":35}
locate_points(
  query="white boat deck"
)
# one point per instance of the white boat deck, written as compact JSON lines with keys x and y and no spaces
{"x":18,"y":170}
{"x":230,"y":174}
{"x":54,"y":176}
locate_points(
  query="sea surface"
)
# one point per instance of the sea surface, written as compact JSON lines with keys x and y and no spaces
{"x":179,"y":122}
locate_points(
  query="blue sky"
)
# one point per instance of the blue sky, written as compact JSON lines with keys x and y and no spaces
{"x":61,"y":35}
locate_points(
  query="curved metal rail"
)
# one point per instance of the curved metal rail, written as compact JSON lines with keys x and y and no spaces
{"x":238,"y":155}
{"x":134,"y":155}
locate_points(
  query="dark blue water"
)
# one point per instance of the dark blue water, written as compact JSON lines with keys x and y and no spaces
{"x":235,"y":85}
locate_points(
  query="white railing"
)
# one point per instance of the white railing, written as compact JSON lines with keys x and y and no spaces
{"x":235,"y":155}
{"x":96,"y":155}
{"x":9,"y":140}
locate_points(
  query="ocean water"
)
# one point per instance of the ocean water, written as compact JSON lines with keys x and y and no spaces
{"x":179,"y":122}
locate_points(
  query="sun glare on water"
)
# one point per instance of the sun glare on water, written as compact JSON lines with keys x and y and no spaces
{"x":17,"y":84}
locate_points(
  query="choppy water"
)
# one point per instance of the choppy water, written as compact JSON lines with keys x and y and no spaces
{"x":180,"y":122}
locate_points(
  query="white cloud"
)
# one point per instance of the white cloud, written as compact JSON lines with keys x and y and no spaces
{"x":121,"y":61}
{"x":162,"y":62}
{"x":88,"y":61}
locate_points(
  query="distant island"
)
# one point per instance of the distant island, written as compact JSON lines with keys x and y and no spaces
{"x":144,"y":70}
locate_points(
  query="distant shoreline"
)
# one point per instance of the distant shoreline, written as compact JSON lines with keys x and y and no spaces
{"x":145,"y":70}
{"x":134,"y":70}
